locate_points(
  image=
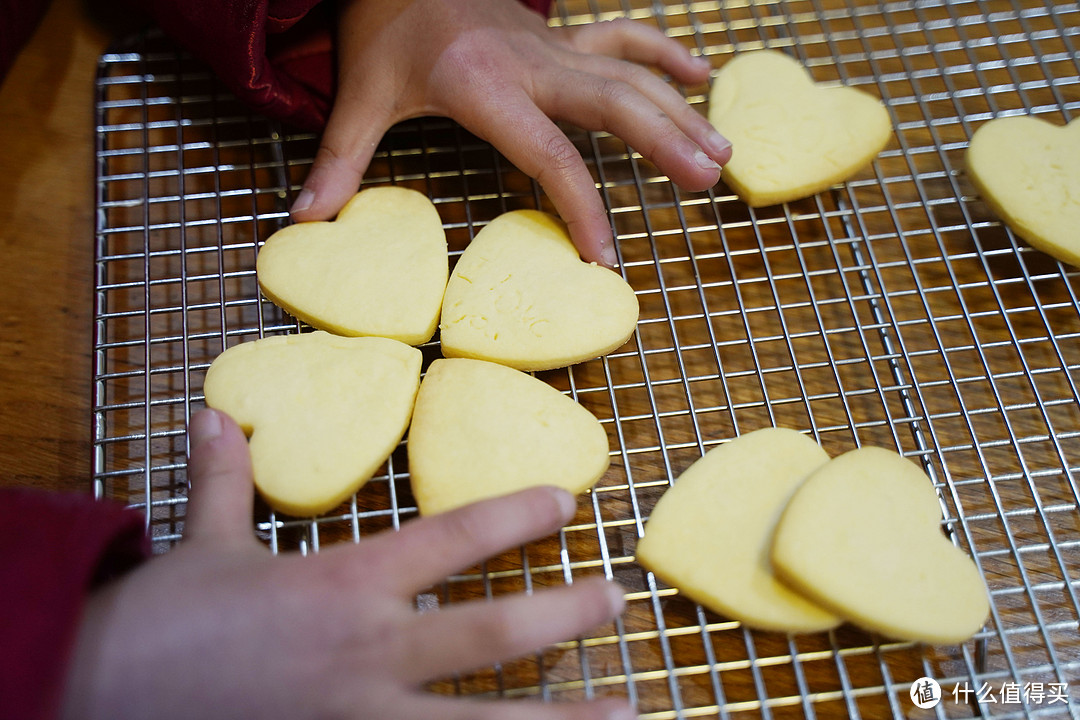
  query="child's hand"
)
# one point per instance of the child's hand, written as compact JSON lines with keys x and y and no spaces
{"x":220,"y":628}
{"x":495,"y":67}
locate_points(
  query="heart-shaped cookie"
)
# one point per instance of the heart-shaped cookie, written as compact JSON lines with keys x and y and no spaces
{"x":1028,"y":172}
{"x":791,"y":137}
{"x":481,"y":430}
{"x":862,"y":537}
{"x":323,"y":412}
{"x":521,"y":296}
{"x":711,"y":533}
{"x":379,"y":270}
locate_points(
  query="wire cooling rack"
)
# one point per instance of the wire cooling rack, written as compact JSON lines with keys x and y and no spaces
{"x":894,"y":310}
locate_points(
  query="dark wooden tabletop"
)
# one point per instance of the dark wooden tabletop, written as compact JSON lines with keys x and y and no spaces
{"x":46,"y":278}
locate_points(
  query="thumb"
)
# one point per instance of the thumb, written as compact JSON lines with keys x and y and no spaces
{"x":220,"y":475}
{"x":352,"y":134}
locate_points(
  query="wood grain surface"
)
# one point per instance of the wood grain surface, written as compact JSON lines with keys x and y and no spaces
{"x":46,"y":231}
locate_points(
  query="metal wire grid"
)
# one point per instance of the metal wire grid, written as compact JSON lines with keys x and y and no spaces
{"x":893,"y":311}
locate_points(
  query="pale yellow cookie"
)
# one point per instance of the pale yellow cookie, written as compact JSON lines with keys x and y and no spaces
{"x":481,"y":430}
{"x":862,"y":536}
{"x":1028,"y":172}
{"x":711,"y":533}
{"x":380,"y":269}
{"x":521,"y":296}
{"x":791,"y":138}
{"x":323,"y":412}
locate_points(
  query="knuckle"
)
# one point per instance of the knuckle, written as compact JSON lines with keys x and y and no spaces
{"x":474,"y":61}
{"x":614,"y":26}
{"x":623,"y":28}
{"x":613,"y":93}
{"x":614,"y":36}
{"x":329,"y":154}
{"x":561,"y":158}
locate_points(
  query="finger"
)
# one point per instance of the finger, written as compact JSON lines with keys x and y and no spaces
{"x":352,"y":134}
{"x":599,"y":103}
{"x":629,"y":40}
{"x":444,"y":708}
{"x":427,"y":550}
{"x":532,"y":142}
{"x":653,"y":89}
{"x":219,"y":472}
{"x":473,"y":635}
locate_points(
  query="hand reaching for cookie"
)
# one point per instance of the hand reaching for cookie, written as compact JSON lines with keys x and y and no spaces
{"x":495,"y":67}
{"x":220,"y":628}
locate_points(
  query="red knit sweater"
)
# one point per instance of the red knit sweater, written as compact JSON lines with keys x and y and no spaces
{"x":54,"y":549}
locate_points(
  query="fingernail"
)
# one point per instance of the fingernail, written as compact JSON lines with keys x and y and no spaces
{"x":617,"y":598}
{"x":609,"y":256}
{"x":717,"y":144}
{"x":205,"y":425}
{"x":567,"y":503}
{"x":704,"y":161}
{"x":303,"y":201}
{"x":702,"y":62}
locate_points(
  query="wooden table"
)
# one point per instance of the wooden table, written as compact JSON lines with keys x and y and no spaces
{"x":46,"y":227}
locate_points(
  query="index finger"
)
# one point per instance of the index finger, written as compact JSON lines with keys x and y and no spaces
{"x":534,"y":144}
{"x":427,"y":550}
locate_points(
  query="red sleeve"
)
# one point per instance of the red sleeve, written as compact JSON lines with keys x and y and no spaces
{"x":53,"y":550}
{"x":275,"y":55}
